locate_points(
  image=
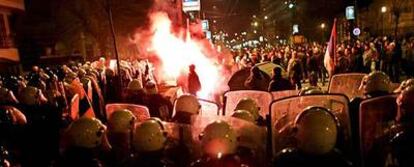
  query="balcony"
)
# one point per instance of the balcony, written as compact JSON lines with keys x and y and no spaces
{"x":10,"y":54}
{"x":12,"y":4}
{"x":7,"y":49}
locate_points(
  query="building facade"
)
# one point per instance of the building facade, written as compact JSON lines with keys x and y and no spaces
{"x":379,"y":19}
{"x":7,"y":10}
{"x":276,"y":18}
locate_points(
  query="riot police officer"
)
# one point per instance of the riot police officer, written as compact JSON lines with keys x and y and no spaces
{"x":316,"y":132}
{"x":149,"y":142}
{"x":401,"y":145}
{"x":135,"y":92}
{"x":219,"y":144}
{"x":251,"y":106}
{"x":120,"y":129}
{"x":375,"y":84}
{"x":185,"y":107}
{"x":86,"y":142}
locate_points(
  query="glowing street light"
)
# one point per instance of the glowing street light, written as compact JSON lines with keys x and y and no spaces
{"x":255,"y":24}
{"x":383,"y":9}
{"x":265,"y":17}
{"x":291,"y":5}
{"x":255,"y":31}
{"x":323,"y":25}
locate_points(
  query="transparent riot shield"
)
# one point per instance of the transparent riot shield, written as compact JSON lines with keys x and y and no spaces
{"x":171,"y":93}
{"x":285,"y":111}
{"x":74,"y":107}
{"x":89,"y":90}
{"x":87,"y":86}
{"x":140,"y":112}
{"x":347,"y":84}
{"x":250,"y":136}
{"x":262,"y":98}
{"x":180,"y":145}
{"x":376,"y":118}
{"x":97,"y":99}
{"x":209,"y":107}
{"x":283,"y":94}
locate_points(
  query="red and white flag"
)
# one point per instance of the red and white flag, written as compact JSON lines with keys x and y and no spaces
{"x":329,"y":59}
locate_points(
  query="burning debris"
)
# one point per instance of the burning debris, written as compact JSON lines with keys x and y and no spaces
{"x":172,"y":50}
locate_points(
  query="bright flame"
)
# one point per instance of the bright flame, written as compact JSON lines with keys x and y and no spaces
{"x":177,"y":54}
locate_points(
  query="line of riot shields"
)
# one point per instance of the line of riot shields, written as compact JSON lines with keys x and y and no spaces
{"x":259,"y":145}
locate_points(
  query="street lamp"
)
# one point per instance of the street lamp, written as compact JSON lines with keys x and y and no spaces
{"x":383,"y":11}
{"x":265,"y":17}
{"x":323,"y":31}
{"x":255,"y":24}
{"x":291,"y":5}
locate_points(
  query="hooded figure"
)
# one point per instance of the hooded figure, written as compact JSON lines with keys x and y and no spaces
{"x":194,"y":84}
{"x":256,"y":80}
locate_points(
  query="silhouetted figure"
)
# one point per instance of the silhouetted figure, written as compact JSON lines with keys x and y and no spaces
{"x":194,"y":84}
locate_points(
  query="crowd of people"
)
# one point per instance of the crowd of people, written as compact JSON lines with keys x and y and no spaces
{"x":306,"y":62}
{"x":58,"y":116}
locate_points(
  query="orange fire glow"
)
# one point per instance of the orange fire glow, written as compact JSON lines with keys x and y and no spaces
{"x":177,"y":53}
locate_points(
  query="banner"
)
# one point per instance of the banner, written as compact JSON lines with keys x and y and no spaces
{"x":329,"y":60}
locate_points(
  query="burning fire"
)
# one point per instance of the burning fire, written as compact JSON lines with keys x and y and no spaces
{"x":177,"y":53}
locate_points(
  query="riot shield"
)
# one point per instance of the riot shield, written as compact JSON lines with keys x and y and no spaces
{"x":89,"y":90}
{"x":283,"y":94}
{"x":97,"y":99}
{"x":209,"y":107}
{"x":87,"y":86}
{"x":140,"y":112}
{"x":347,"y":84}
{"x":171,"y":93}
{"x":74,"y":107}
{"x":180,"y":145}
{"x":285,"y":111}
{"x":262,"y":98}
{"x":249,"y":135}
{"x":375,"y":118}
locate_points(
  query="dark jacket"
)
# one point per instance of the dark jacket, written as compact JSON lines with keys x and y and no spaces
{"x":279,"y":84}
{"x":194,"y":84}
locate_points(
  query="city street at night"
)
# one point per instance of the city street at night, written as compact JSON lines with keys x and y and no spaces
{"x":206,"y":83}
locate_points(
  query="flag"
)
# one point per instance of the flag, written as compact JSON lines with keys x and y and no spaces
{"x":329,"y":59}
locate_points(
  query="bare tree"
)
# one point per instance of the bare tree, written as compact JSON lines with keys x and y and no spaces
{"x":75,"y":18}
